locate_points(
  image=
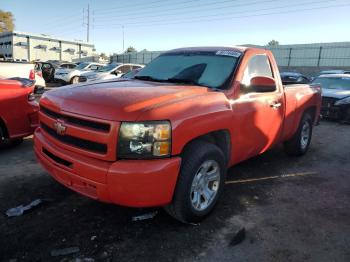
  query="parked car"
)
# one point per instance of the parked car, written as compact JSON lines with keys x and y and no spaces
{"x":18,"y":110}
{"x":131,"y":73}
{"x":335,"y":96}
{"x":291,"y":78}
{"x":110,"y":71}
{"x":16,"y":69}
{"x":72,"y":75}
{"x":48,"y":68}
{"x":10,"y":70}
{"x":167,"y":136}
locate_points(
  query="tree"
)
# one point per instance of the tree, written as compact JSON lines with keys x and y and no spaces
{"x":130,"y":49}
{"x":6,"y":21}
{"x":273,"y":43}
{"x":103,"y":56}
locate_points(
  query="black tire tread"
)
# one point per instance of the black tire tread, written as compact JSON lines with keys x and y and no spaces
{"x":194,"y":151}
{"x":292,"y":146}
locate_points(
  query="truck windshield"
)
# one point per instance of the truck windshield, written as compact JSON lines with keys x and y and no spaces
{"x":342,"y":83}
{"x":210,"y":69}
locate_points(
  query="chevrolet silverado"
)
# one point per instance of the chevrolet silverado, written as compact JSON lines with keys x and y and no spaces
{"x":167,"y":136}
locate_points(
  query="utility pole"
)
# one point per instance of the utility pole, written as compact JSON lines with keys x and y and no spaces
{"x":123,"y":37}
{"x":88,"y":24}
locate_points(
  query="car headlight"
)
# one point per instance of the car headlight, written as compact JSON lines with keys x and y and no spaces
{"x":144,"y":140}
{"x":343,"y":101}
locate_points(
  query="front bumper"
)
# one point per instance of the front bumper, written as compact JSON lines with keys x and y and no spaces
{"x":134,"y":183}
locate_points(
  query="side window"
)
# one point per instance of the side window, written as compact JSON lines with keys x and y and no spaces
{"x":135,"y":67}
{"x":124,"y":69}
{"x":93,"y":67}
{"x":258,"y":65}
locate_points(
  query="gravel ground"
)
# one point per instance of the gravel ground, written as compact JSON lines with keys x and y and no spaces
{"x":302,"y":217}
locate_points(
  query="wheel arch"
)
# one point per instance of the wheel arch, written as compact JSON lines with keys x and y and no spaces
{"x":4,"y":127}
{"x":221,"y":138}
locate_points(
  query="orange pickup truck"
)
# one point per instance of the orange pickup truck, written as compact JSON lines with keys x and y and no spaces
{"x":167,"y":136}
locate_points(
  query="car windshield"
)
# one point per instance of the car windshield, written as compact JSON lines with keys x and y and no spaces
{"x":82,"y":66}
{"x":210,"y":69}
{"x":107,"y":68}
{"x":342,"y":83}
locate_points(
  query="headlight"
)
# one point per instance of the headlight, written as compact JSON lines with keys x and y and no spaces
{"x":144,"y":140}
{"x":343,"y":101}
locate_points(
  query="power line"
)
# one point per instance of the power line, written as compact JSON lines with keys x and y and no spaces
{"x":233,"y":17}
{"x":149,"y":4}
{"x":224,"y":14}
{"x":186,"y":10}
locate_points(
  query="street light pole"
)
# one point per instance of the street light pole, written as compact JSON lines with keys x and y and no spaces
{"x":123,"y":37}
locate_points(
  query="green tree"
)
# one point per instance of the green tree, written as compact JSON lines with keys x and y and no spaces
{"x":6,"y":21}
{"x":130,"y":49}
{"x":273,"y":43}
{"x":104,"y":56}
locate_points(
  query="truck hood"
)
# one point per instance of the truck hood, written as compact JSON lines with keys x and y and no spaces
{"x":118,"y":100}
{"x":335,"y":93}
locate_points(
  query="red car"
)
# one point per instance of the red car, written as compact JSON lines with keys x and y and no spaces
{"x":18,"y":110}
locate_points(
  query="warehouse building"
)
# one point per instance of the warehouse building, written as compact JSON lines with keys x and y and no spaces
{"x":21,"y":46}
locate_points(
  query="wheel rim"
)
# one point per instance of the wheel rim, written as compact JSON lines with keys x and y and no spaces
{"x":75,"y":80}
{"x":305,"y":135}
{"x":205,"y":185}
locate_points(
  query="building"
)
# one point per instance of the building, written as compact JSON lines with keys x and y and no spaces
{"x":21,"y":46}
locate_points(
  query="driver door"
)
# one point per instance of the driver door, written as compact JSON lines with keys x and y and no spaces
{"x":258,"y":115}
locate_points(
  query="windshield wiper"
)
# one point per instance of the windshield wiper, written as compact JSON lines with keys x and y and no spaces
{"x":148,"y":78}
{"x":184,"y":81}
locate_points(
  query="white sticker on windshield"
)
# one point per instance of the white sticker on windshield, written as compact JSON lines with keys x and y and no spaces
{"x":228,"y":53}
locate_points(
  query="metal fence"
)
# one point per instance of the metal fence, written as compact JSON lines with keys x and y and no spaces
{"x":136,"y":57}
{"x":308,"y":55}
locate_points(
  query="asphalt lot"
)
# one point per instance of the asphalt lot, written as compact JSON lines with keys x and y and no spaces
{"x":301,"y":217}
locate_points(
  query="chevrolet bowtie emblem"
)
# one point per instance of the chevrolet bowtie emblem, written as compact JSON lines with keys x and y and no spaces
{"x":60,"y":127}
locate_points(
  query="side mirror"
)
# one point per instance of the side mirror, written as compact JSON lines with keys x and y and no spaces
{"x":262,"y":84}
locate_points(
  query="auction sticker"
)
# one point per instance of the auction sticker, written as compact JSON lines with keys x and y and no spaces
{"x":228,"y":53}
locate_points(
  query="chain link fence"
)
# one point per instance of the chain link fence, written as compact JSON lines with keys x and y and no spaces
{"x":304,"y":58}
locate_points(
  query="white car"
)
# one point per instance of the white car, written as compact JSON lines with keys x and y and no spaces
{"x":110,"y":71}
{"x":72,"y":75}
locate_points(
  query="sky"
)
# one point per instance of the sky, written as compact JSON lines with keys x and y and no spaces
{"x":165,"y":24}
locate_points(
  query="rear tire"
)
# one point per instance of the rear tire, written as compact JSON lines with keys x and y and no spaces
{"x":200,"y":183}
{"x":300,"y":142}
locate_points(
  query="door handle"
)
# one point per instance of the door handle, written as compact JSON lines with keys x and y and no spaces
{"x":275,"y":105}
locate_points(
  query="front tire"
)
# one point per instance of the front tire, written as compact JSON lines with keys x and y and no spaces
{"x":299,"y":144}
{"x":74,"y":80}
{"x":200,"y":183}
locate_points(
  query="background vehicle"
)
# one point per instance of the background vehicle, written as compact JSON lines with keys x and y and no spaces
{"x":22,"y":70}
{"x":167,"y":137}
{"x":110,"y":71}
{"x":72,"y":75}
{"x":18,"y":110}
{"x":290,"y":78}
{"x":131,"y":73}
{"x":16,"y":69}
{"x":335,"y":96}
{"x":48,"y":68}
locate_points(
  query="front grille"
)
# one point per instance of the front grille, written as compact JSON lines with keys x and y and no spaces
{"x":57,"y":159}
{"x":76,"y":121}
{"x":74,"y":141}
